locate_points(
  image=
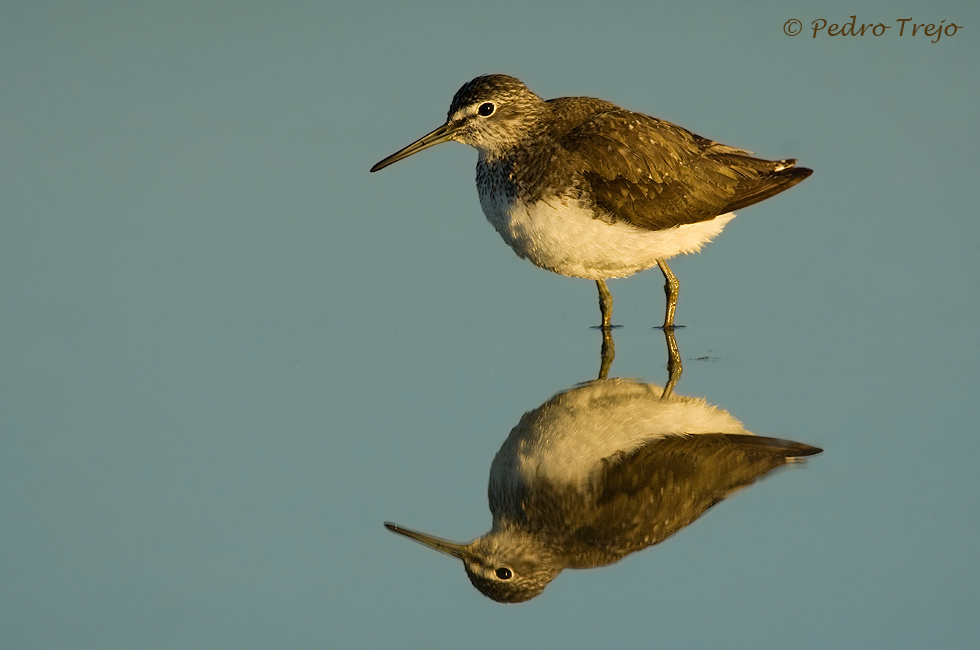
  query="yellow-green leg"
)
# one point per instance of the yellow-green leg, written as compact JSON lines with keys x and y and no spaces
{"x":674,"y":365}
{"x":671,"y":287}
{"x":605,"y":304}
{"x":608,"y":353}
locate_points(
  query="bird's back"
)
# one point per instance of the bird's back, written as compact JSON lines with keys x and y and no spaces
{"x":654,"y":174}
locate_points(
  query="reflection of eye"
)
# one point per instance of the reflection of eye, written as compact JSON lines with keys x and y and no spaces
{"x":503,"y":572}
{"x":486,"y":110}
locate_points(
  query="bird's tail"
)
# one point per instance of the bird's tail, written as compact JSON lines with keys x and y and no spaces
{"x":770,"y":178}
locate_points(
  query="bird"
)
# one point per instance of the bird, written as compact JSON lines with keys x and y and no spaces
{"x":602,"y":470}
{"x":584,"y":188}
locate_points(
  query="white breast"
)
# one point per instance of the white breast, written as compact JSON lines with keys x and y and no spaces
{"x":564,"y":439}
{"x":563,"y":237}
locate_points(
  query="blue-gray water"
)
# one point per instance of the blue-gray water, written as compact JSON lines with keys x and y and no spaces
{"x":230,"y":353}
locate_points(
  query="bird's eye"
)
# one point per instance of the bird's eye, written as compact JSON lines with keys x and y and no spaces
{"x":503,"y":572}
{"x":487,"y":109}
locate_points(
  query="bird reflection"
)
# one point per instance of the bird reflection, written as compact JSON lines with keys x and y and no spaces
{"x":600,"y":471}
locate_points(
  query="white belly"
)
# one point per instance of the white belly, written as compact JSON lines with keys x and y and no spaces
{"x":564,"y":440}
{"x":564,"y":238}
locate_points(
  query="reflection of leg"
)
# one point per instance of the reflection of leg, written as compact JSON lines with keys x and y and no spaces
{"x":671,"y":287}
{"x":605,"y":304}
{"x":674,"y":367}
{"x":608,"y":353}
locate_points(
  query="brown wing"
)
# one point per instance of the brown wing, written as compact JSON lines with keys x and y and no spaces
{"x":656,"y":175}
{"x":652,"y":493}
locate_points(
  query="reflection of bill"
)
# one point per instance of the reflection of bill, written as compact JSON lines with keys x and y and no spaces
{"x":601,"y":471}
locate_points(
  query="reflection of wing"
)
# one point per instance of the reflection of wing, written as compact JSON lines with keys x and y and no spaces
{"x":672,"y":176}
{"x":646,"y":496}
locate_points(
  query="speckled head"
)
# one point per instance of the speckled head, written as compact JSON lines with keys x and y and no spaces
{"x":494,"y":113}
{"x":507,"y":566}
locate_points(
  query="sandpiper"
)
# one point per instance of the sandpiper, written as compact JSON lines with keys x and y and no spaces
{"x":600,"y":471}
{"x":586,"y":189}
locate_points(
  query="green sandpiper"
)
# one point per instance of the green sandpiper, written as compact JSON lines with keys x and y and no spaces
{"x":600,"y":471}
{"x":586,"y":189}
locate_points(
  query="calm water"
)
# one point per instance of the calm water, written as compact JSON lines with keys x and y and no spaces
{"x":231,"y":353}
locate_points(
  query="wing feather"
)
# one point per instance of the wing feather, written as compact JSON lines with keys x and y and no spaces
{"x":656,"y":175}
